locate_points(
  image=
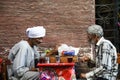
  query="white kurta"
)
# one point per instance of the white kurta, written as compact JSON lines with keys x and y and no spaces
{"x":22,"y":55}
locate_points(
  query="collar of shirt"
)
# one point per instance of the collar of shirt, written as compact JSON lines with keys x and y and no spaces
{"x":99,"y":42}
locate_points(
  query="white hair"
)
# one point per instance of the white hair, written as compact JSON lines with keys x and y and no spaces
{"x":95,"y":29}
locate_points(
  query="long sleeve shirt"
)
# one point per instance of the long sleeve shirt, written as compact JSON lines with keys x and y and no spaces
{"x":22,"y":55}
{"x":106,"y":61}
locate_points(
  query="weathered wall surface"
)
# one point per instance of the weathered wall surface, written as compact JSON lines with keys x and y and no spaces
{"x":66,"y":21}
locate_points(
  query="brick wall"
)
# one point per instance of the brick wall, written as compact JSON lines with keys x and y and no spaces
{"x":65,"y":20}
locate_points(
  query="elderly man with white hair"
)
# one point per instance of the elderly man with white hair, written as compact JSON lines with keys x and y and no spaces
{"x":23,"y":54}
{"x":106,"y":67}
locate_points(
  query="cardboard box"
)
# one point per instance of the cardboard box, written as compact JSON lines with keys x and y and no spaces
{"x":64,"y":59}
{"x":68,"y":59}
{"x":52,"y":59}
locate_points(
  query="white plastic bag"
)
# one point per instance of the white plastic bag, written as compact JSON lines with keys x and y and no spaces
{"x":65,"y":47}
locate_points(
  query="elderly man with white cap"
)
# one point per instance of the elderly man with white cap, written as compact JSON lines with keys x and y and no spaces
{"x":23,"y":54}
{"x":106,"y":67}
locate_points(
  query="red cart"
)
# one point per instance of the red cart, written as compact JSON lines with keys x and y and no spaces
{"x":57,"y":71}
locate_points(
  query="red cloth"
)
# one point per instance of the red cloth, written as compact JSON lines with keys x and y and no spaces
{"x":1,"y":65}
{"x":1,"y":60}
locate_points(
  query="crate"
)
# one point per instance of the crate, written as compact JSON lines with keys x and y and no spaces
{"x":67,"y":59}
{"x":52,"y":59}
{"x":64,"y":59}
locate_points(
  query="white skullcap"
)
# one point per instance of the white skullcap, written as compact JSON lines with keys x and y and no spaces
{"x":95,"y":29}
{"x":36,"y":32}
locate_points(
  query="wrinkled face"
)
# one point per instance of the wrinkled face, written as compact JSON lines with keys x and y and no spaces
{"x":36,"y":41}
{"x":92,"y":39}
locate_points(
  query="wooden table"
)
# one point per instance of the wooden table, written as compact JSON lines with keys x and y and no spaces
{"x":57,"y":71}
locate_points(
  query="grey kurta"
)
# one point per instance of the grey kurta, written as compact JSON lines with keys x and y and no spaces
{"x":22,"y":56}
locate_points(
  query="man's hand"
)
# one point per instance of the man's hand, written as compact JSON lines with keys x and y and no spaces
{"x":83,"y":75}
{"x":54,"y":51}
{"x":84,"y":58}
